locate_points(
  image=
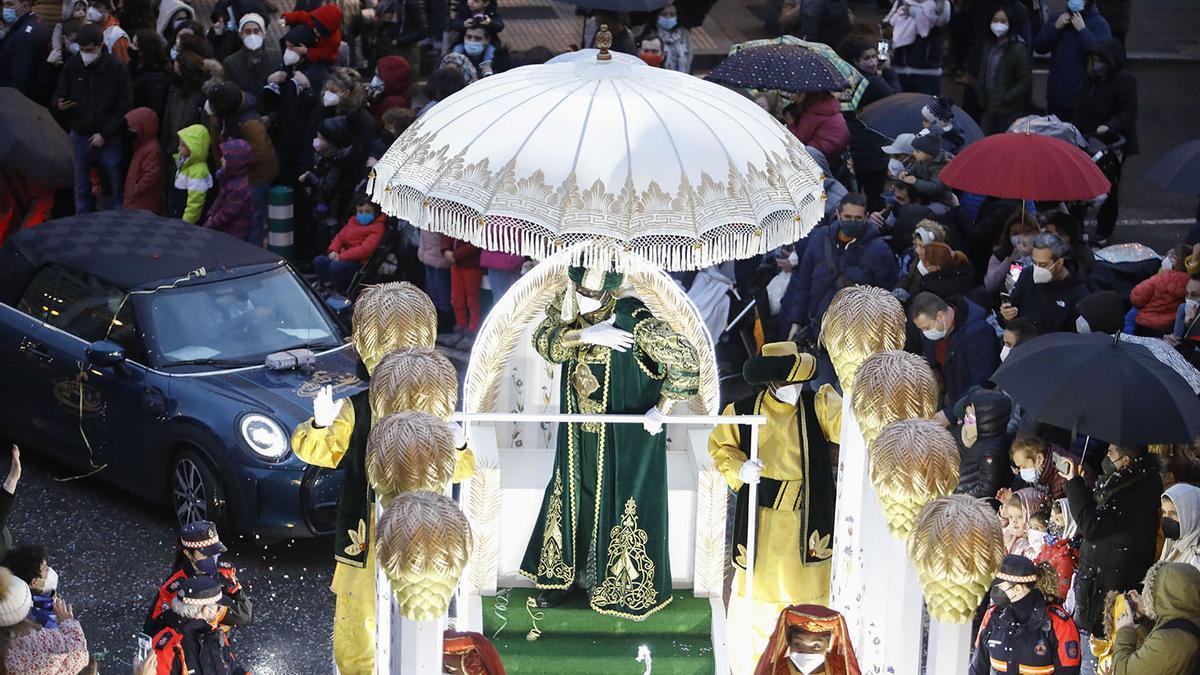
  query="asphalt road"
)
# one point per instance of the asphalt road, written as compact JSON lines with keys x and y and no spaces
{"x":112,"y":551}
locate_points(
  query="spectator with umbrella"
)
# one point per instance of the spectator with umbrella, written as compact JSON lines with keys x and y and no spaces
{"x":910,"y":113}
{"x":1047,"y":291}
{"x":816,"y":119}
{"x":1108,"y":110}
{"x":864,"y":56}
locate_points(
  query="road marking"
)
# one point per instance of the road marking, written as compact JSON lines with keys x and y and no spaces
{"x":1157,"y":221}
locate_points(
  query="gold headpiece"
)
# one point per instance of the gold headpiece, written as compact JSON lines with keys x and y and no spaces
{"x":956,"y":546}
{"x":890,"y":386}
{"x":424,"y":543}
{"x":420,"y":379}
{"x":913,"y":461}
{"x":392,"y":316}
{"x":409,"y":451}
{"x":860,"y":321}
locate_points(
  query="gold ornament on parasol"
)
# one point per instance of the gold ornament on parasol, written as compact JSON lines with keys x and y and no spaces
{"x":410,"y":451}
{"x":420,"y":379}
{"x":956,"y":546}
{"x":913,"y":461}
{"x":860,"y":321}
{"x":424,"y":543}
{"x":889,"y":386}
{"x":392,"y":316}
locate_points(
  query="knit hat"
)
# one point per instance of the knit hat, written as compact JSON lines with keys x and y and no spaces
{"x":224,"y":98}
{"x":1104,"y":311}
{"x":903,"y":145}
{"x":1016,"y":569}
{"x":336,"y":130}
{"x":300,"y":35}
{"x":929,"y":144}
{"x":939,"y":109}
{"x":781,"y":362}
{"x":15,"y":598}
{"x":251,"y":17}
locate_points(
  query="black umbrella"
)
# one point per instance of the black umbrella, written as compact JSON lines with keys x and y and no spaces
{"x":784,"y":67}
{"x":1113,"y":388}
{"x":618,"y":5}
{"x":1179,"y":169}
{"x":901,"y":114}
{"x":32,"y":144}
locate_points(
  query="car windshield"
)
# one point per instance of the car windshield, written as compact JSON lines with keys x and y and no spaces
{"x":238,"y":321}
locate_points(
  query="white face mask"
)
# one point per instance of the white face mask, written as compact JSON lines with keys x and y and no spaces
{"x":376,"y":83}
{"x":1192,"y":303}
{"x":921,"y":268}
{"x":935,"y":334}
{"x":208,"y":108}
{"x":253,"y":42}
{"x":89,"y":57}
{"x":587,"y":304}
{"x":1037,"y":539}
{"x":806,"y":663}
{"x":290,"y":57}
{"x":1166,"y":262}
{"x":330,"y":99}
{"x":789,"y":393}
{"x":1029,"y":475}
{"x":1081,"y":326}
{"x":1041,"y":275}
{"x":895,"y":167}
{"x":94,"y":15}
{"x":51,"y":582}
{"x":999,"y":29}
{"x":1004,"y":351}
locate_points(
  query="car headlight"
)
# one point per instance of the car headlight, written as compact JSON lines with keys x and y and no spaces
{"x":264,"y":436}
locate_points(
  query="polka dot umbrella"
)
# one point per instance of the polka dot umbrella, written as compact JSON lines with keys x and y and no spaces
{"x":849,"y":97}
{"x":785,"y":67}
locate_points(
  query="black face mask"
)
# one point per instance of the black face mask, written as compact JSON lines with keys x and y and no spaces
{"x":1170,"y":528}
{"x":999,"y":597}
{"x":853,"y":228}
{"x":1107,"y":466}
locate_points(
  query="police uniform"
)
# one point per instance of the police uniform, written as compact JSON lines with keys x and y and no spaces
{"x":193,"y":646}
{"x":202,"y":536}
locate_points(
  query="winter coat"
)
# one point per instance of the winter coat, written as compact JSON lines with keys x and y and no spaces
{"x":356,"y":242}
{"x":294,"y":116}
{"x":326,"y":21}
{"x":1068,"y":59}
{"x":466,"y":255}
{"x":928,"y":174}
{"x":984,"y":468}
{"x":429,"y":252}
{"x":1173,"y":645}
{"x":823,"y":127}
{"x":165,"y":10}
{"x":409,"y":28}
{"x":230,"y":212}
{"x":396,"y":74}
{"x":1003,"y":92}
{"x":1113,"y":101}
{"x":186,"y":646}
{"x":50,"y":651}
{"x":143,"y":183}
{"x":1027,"y":636}
{"x":185,"y":107}
{"x":981,"y":32}
{"x":101,"y":94}
{"x":193,"y":175}
{"x":248,"y":125}
{"x":827,"y":267}
{"x":1118,"y":524}
{"x":1051,"y":306}
{"x":879,"y":85}
{"x":23,"y":50}
{"x":1157,"y":299}
{"x":151,"y":89}
{"x":972,"y":356}
{"x":1063,"y":557}
{"x":249,"y":69}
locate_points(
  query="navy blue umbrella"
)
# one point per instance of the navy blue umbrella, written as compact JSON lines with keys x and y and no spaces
{"x":783,"y":67}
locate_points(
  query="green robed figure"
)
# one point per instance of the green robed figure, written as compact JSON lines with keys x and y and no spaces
{"x":603,"y":522}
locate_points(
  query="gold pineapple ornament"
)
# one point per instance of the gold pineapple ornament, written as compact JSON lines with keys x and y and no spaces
{"x":420,"y":379}
{"x":410,"y":451}
{"x":392,"y":316}
{"x":892,"y":385}
{"x":860,"y":321}
{"x":913,"y":462}
{"x":424,"y":543}
{"x":956,"y":546}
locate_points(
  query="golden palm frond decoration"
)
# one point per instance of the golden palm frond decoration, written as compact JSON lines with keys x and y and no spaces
{"x":392,"y":316}
{"x":892,"y":385}
{"x":712,"y":494}
{"x":483,"y":510}
{"x":956,"y":546}
{"x":913,"y":461}
{"x":419,"y":378}
{"x":409,"y":451}
{"x":424,"y":543}
{"x":860,"y":321}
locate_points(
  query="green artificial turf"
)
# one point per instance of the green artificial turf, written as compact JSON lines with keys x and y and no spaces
{"x":576,"y":639}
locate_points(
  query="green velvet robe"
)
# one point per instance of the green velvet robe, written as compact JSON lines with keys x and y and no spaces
{"x":603,"y":522}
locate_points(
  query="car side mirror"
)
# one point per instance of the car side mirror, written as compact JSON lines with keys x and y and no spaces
{"x":104,"y":354}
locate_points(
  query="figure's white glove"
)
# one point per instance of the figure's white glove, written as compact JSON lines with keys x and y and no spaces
{"x":653,"y":423}
{"x":606,"y":334}
{"x":460,"y":435}
{"x":325,"y":409}
{"x":750,"y":471}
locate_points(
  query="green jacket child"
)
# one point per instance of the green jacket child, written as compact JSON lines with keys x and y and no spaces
{"x":192,"y":175}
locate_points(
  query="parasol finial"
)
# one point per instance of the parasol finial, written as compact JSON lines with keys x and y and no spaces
{"x":604,"y":40}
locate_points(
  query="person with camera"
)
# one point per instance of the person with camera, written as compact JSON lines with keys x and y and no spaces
{"x":1170,"y":601}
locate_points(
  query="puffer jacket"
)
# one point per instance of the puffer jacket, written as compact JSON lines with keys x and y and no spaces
{"x":193,"y":176}
{"x":984,"y":467}
{"x":823,"y":127}
{"x":230,"y":212}
{"x":1063,"y":557}
{"x":326,"y":21}
{"x":143,"y":182}
{"x":1157,"y":299}
{"x":396,"y":74}
{"x":1173,"y":645}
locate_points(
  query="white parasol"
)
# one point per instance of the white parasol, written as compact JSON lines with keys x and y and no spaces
{"x":683,"y":172}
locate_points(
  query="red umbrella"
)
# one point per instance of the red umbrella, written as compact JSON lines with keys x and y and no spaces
{"x":1021,"y":165}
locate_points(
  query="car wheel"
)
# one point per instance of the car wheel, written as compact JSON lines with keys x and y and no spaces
{"x":196,"y":493}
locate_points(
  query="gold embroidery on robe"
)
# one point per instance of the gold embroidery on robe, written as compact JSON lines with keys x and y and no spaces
{"x":551,"y":564}
{"x":629,"y":577}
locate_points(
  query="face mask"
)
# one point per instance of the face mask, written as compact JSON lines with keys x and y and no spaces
{"x":936,"y":333}
{"x":473,"y":48}
{"x":208,"y":108}
{"x":376,"y":83}
{"x":970,"y":431}
{"x":51,"y":583}
{"x":330,"y":99}
{"x":253,"y":42}
{"x":895,"y":167}
{"x":999,"y":597}
{"x":586,"y":304}
{"x":94,"y":15}
{"x":318,"y":145}
{"x":1004,"y":352}
{"x":999,"y":29}
{"x":208,"y":566}
{"x":1037,"y":539}
{"x":174,"y":53}
{"x":921,"y":268}
{"x":10,"y":15}
{"x":1170,"y":528}
{"x":652,"y":60}
{"x":1081,"y":326}
{"x":89,"y":57}
{"x":178,"y":23}
{"x":668,"y":23}
{"x":1041,"y":275}
{"x":1107,"y":466}
{"x":1075,"y":5}
{"x":806,"y":663}
{"x":788,"y":393}
{"x":1192,"y":304}
{"x":290,"y":57}
{"x":1029,"y":475}
{"x":852,"y":228}
{"x":73,"y":48}
{"x":365,"y":218}
{"x":218,"y":28}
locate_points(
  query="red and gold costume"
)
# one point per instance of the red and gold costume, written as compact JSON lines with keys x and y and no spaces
{"x":839,"y":660}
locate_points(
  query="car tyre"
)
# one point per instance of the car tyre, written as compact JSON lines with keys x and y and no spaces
{"x":195,"y":491}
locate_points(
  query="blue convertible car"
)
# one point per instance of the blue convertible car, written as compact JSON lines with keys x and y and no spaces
{"x":173,"y":361}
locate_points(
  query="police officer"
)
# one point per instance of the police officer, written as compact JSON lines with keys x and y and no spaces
{"x":190,"y":640}
{"x":199,"y":555}
{"x":1022,"y":633}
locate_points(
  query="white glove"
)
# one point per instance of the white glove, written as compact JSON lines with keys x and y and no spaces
{"x":325,"y":409}
{"x":653,"y":423}
{"x":751,"y":471}
{"x":460,"y":435}
{"x":606,"y":334}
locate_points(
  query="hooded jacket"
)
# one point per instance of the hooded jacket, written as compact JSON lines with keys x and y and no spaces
{"x":166,"y":10}
{"x":1111,"y":101}
{"x":1186,"y":499}
{"x":248,"y":125}
{"x":1173,"y":645}
{"x":971,"y":355}
{"x":230,"y":212}
{"x":1157,"y":299}
{"x":1063,"y":557}
{"x":828,"y":266}
{"x":823,"y":127}
{"x":396,"y":74}
{"x":143,"y":183}
{"x":326,"y":22}
{"x":101,"y":94}
{"x":193,"y":176}
{"x":983,"y":468}
{"x":1068,"y":60}
{"x":356,"y":242}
